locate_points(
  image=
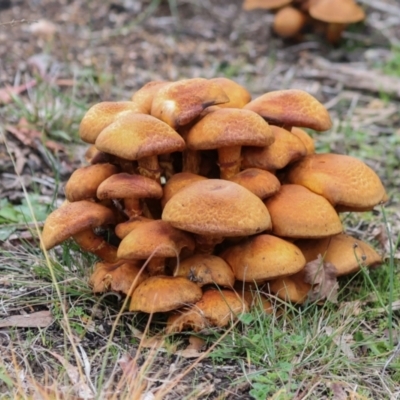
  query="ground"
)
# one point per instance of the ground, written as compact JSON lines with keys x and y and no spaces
{"x":72,"y":54}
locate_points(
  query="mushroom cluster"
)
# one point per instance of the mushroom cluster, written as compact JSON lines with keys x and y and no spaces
{"x":292,"y":16}
{"x":194,"y":195}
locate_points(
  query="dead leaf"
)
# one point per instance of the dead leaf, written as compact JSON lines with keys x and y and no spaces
{"x":7,"y":93}
{"x":342,"y":341}
{"x":322,"y":276}
{"x":24,"y":133}
{"x":39,"y":319}
{"x":80,"y":386}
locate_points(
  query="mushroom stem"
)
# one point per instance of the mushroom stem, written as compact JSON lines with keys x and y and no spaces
{"x":191,"y":161}
{"x":166,"y":165}
{"x":229,"y":161}
{"x":334,"y":32}
{"x":206,"y":244}
{"x":150,"y":168}
{"x":133,"y":208}
{"x":92,"y":243}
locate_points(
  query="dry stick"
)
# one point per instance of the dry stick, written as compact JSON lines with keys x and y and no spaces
{"x":350,"y":76}
{"x":49,"y":265}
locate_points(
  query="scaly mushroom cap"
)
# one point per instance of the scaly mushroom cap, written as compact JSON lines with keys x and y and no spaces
{"x":296,"y":212}
{"x":307,"y":140}
{"x":263,"y":257}
{"x":134,"y":136}
{"x":291,"y":288}
{"x":291,"y":107}
{"x":72,"y":218}
{"x":164,"y":293}
{"x":229,"y":127}
{"x":226,"y":209}
{"x":265,"y":4}
{"x":285,"y":149}
{"x":101,"y":115}
{"x":238,"y":95}
{"x":205,"y":269}
{"x":123,"y":186}
{"x":178,"y":103}
{"x":343,"y":180}
{"x":121,"y":277}
{"x":337,"y":11}
{"x":84,"y":181}
{"x":288,"y":22}
{"x":215,"y":309}
{"x":123,"y":228}
{"x":262,"y":183}
{"x":178,"y":182}
{"x":143,"y":98}
{"x":155,"y":238}
{"x":343,"y":251}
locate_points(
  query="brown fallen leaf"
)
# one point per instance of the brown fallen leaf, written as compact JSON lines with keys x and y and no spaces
{"x":193,"y":350}
{"x":39,"y":319}
{"x":7,"y":93}
{"x":322,"y":276}
{"x":128,"y":366}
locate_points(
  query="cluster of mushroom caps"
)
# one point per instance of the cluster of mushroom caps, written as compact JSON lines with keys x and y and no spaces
{"x":195,"y":195}
{"x":292,"y":17}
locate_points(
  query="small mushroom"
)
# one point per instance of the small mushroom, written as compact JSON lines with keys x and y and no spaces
{"x":77,"y":220}
{"x":238,"y":95}
{"x":296,"y":212}
{"x":178,"y":103}
{"x":164,"y":293}
{"x":227,"y":130}
{"x":143,"y":98}
{"x":156,"y":239}
{"x":291,"y":107}
{"x":206,"y":269}
{"x":307,"y":140}
{"x":264,"y":4}
{"x":340,"y":179}
{"x":140,"y":137}
{"x":288,"y":22}
{"x":263,"y":257}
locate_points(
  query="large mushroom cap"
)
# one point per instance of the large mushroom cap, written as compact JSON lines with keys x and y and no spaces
{"x":340,"y":179}
{"x":134,"y":136}
{"x":143,"y":98}
{"x":296,"y":212}
{"x":263,"y":257}
{"x":84,"y":181}
{"x":229,"y":127}
{"x":206,"y":269}
{"x":343,"y":251}
{"x":164,"y":293}
{"x":154,"y":238}
{"x":101,"y":115}
{"x":226,"y":209}
{"x":337,"y":11}
{"x":178,"y":103}
{"x":238,"y":95}
{"x":73,"y":218}
{"x":291,"y":107}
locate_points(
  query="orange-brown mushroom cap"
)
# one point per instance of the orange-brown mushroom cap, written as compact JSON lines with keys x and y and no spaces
{"x":84,"y":181}
{"x":291,"y":107}
{"x":343,"y":180}
{"x":143,"y":98}
{"x":238,"y":95}
{"x":337,"y":11}
{"x":178,"y":103}
{"x":135,"y":136}
{"x":164,"y":293}
{"x":205,"y":269}
{"x":101,"y":115}
{"x":263,"y":257}
{"x":296,"y":212}
{"x":226,"y":209}
{"x":343,"y":251}
{"x":265,"y":4}
{"x":72,"y":218}
{"x":288,"y":22}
